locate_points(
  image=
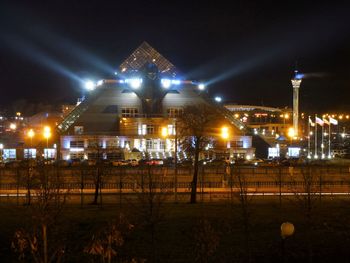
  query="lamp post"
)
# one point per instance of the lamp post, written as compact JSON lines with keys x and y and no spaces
{"x":47,"y":135}
{"x":291,"y":134}
{"x":287,"y":230}
{"x":31,"y":134}
{"x":1,"y":151}
{"x":165,"y":134}
{"x":225,"y":135}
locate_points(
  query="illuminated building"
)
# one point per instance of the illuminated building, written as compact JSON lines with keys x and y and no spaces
{"x":125,"y":117}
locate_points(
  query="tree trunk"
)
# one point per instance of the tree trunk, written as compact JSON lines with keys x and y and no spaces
{"x":97,"y":186}
{"x":195,"y":172}
{"x":44,"y":228}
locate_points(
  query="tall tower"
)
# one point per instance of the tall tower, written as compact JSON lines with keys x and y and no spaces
{"x":296,"y":81}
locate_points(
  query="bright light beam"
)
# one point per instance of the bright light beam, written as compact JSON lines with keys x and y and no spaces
{"x":19,"y":45}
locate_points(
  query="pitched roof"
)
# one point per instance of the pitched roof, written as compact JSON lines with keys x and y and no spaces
{"x":147,"y":54}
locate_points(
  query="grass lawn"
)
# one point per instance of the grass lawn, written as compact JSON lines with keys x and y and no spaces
{"x":178,"y":233}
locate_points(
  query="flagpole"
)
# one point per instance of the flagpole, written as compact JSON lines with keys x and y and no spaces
{"x":329,"y":139}
{"x":308,"y":138}
{"x":315,"y":137}
{"x":322,"y":145}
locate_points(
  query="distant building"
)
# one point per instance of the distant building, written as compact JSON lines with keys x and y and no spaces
{"x":262,"y":119}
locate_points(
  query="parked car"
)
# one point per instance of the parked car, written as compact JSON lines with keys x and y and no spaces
{"x":120,"y":163}
{"x":152,"y":162}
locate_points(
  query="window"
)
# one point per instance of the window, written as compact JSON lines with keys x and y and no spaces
{"x":162,"y":145}
{"x":29,"y":153}
{"x":236,"y":144}
{"x":171,"y":129}
{"x":77,"y":155}
{"x":175,"y":112}
{"x":127,"y":144}
{"x":150,"y":129}
{"x":149,"y":144}
{"x":77,"y":144}
{"x":142,"y":129}
{"x":130,"y":112}
{"x":9,"y":154}
{"x":49,"y":153}
{"x":78,"y":129}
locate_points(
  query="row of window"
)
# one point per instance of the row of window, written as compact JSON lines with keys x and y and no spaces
{"x":11,"y":154}
{"x":134,"y":112}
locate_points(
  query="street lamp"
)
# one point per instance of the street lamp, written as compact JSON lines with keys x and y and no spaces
{"x":225,"y":135}
{"x":31,"y":134}
{"x":287,"y":230}
{"x":291,"y":134}
{"x":47,"y":135}
{"x":165,"y":134}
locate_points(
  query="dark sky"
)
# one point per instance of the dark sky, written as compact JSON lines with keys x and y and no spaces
{"x":246,"y":50}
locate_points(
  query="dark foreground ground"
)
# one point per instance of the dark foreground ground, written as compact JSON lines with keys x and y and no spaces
{"x":204,"y":232}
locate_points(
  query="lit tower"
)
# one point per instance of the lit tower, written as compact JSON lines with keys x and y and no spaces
{"x":296,"y":81}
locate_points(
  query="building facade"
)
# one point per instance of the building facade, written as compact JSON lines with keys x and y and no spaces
{"x":136,"y":114}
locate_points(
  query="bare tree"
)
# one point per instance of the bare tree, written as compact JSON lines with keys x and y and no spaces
{"x":46,"y":206}
{"x":107,"y":243}
{"x":195,"y":133}
{"x":240,"y":183}
{"x":151,"y":195}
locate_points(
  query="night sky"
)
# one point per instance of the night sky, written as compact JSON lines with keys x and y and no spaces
{"x":246,"y":50}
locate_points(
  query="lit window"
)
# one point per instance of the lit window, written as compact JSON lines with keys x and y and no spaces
{"x":9,"y":154}
{"x":78,"y":129}
{"x":130,"y":112}
{"x":49,"y":153}
{"x":149,"y":144}
{"x":29,"y":153}
{"x":77,"y":144}
{"x":171,"y":129}
{"x":174,"y":112}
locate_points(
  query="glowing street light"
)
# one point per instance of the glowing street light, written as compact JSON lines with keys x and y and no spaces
{"x":31,"y":134}
{"x":164,"y":131}
{"x":291,"y":132}
{"x":224,"y":132}
{"x":13,"y":126}
{"x":287,"y":230}
{"x":47,"y":135}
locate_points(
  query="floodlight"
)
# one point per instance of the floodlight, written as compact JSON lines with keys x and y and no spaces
{"x":166,"y":83}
